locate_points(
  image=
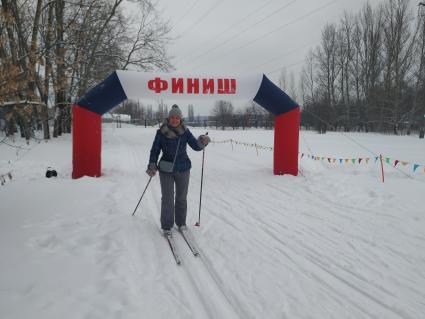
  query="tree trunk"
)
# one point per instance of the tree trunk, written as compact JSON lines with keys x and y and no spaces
{"x":60,"y":87}
{"x":47,"y":74}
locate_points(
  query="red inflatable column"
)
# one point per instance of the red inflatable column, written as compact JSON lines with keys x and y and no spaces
{"x":86,"y":142}
{"x":286,"y":136}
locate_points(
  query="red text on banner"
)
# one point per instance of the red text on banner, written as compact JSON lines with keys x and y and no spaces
{"x":193,"y":86}
{"x":177,"y":85}
{"x":158,"y":85}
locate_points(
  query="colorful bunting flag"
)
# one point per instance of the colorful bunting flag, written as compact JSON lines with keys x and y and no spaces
{"x":330,"y":159}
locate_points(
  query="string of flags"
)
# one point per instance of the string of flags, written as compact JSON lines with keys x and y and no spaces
{"x":232,"y":141}
{"x":334,"y":160}
{"x":257,"y":146}
{"x":359,"y":160}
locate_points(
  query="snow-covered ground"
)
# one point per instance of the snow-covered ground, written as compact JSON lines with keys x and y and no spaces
{"x":334,"y":242}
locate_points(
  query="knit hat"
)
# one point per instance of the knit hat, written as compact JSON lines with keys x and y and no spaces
{"x":175,"y":111}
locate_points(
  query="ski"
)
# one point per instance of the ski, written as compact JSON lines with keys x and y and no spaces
{"x":189,"y":241}
{"x":173,"y":248}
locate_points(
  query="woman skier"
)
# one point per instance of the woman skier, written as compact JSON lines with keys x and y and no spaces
{"x":174,"y":167}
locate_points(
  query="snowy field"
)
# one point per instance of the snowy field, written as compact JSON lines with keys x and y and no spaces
{"x":334,"y":242}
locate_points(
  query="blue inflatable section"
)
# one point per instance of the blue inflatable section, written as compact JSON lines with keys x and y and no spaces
{"x":103,"y":97}
{"x":273,"y":99}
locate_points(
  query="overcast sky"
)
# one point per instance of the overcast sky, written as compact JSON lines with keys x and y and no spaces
{"x":248,"y":36}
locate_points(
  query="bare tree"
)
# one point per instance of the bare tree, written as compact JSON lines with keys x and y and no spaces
{"x":191,"y":113}
{"x":328,"y":71}
{"x":344,"y":59}
{"x":18,"y":59}
{"x":52,"y":52}
{"x":283,"y":79}
{"x":398,"y":45}
{"x":308,"y":79}
{"x":418,"y":104}
{"x":223,"y":113}
{"x":370,"y":70}
{"x":146,"y":49}
{"x":256,"y":115}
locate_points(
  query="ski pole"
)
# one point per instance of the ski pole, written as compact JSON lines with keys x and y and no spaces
{"x":142,"y":195}
{"x":198,"y":223}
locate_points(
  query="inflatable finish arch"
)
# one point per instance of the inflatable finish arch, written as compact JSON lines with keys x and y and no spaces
{"x":122,"y":85}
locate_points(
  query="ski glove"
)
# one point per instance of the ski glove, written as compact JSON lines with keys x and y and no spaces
{"x":151,"y":171}
{"x":204,"y":139}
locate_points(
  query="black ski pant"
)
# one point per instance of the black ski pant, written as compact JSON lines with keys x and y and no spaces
{"x":174,"y":207}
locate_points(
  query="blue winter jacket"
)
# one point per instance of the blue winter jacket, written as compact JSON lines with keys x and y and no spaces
{"x":167,"y":143}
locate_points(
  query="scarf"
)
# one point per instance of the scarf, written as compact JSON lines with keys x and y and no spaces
{"x":172,"y":132}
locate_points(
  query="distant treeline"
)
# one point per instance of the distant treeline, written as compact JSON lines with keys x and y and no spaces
{"x":368,"y":73}
{"x":223,"y":115}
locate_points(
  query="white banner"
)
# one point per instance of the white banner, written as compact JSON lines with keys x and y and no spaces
{"x":173,"y":86}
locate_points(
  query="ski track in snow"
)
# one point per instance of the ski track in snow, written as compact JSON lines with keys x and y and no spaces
{"x":332,"y":243}
{"x":344,"y":276}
